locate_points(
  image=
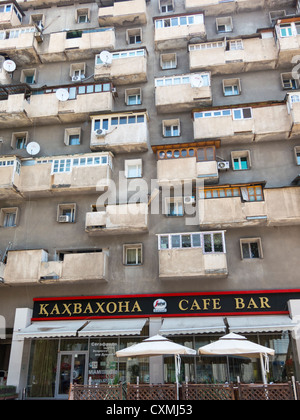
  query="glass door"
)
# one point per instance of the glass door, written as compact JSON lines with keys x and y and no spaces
{"x":71,"y":369}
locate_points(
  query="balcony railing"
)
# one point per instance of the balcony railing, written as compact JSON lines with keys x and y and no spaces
{"x":126,"y":67}
{"x":123,"y":13}
{"x":118,"y":219}
{"x":248,"y":205}
{"x":192,"y":255}
{"x":122,"y":132}
{"x":256,"y":122}
{"x":20,"y":44}
{"x":176,"y":30}
{"x":186,"y":162}
{"x":29,"y":267}
{"x":182,"y":92}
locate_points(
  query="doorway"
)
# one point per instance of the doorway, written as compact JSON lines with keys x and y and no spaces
{"x":72,"y":368}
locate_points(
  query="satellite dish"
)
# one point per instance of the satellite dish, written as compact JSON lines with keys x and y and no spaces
{"x":62,"y":94}
{"x":106,"y":57}
{"x":33,"y":148}
{"x":9,"y":66}
{"x":196,"y":80}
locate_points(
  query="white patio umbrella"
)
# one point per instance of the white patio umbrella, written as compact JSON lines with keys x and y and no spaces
{"x":234,"y":344}
{"x":158,"y":346}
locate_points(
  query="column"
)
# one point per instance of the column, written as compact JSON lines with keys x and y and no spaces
{"x":156,"y":365}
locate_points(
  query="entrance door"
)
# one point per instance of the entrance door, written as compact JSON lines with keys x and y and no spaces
{"x":71,"y":369}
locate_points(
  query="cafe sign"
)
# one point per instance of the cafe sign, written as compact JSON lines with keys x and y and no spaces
{"x":261,"y":302}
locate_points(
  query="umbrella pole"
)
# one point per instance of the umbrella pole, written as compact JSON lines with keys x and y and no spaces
{"x":263,"y":371}
{"x":177,"y":361}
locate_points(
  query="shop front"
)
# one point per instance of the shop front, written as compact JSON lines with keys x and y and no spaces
{"x":73,"y":340}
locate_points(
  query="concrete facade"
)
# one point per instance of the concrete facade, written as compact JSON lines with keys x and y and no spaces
{"x":103,"y":143}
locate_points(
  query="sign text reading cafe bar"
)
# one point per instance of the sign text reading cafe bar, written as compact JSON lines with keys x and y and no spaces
{"x":192,"y":304}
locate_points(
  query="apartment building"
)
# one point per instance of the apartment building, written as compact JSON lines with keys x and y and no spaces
{"x":149,"y":183}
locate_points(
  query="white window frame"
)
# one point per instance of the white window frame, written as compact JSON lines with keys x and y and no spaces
{"x":137,"y":248}
{"x":181,"y":80}
{"x":234,"y":84}
{"x":297,"y":154}
{"x":135,"y":33}
{"x":239,"y":155}
{"x":249,"y":241}
{"x":61,"y":208}
{"x":207,"y":46}
{"x":133,"y":163}
{"x":7,"y":215}
{"x":183,"y":20}
{"x":66,"y":164}
{"x":241,"y":111}
{"x":225,"y":21}
{"x":200,"y":236}
{"x":178,"y":206}
{"x":168,"y":61}
{"x":133,"y":93}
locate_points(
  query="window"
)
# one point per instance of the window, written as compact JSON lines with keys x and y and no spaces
{"x":251,"y":248}
{"x":288,"y":82}
{"x":168,"y":61}
{"x":67,"y":164}
{"x":133,"y":168}
{"x":224,"y":24}
{"x":181,"y":80}
{"x":206,"y":46}
{"x":82,"y":15}
{"x":297,"y":154}
{"x":72,"y":136}
{"x":19,"y":140}
{"x":210,"y":242}
{"x":252,"y":193}
{"x":166,"y":6}
{"x":185,"y":20}
{"x":241,"y":114}
{"x":235,"y":45}
{"x":285,"y":30}
{"x":219,"y":192}
{"x":240,"y":160}
{"x":171,"y":128}
{"x":9,"y":217}
{"x":77,"y":71}
{"x":106,"y":123}
{"x":66,"y":213}
{"x":28,"y":76}
{"x":134,"y":36}
{"x":133,"y":96}
{"x":132,"y":254}
{"x":207,"y":153}
{"x":231,"y":87}
{"x":38,"y":20}
{"x":174,"y":206}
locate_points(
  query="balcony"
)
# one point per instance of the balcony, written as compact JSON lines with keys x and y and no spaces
{"x":234,"y":56}
{"x":9,"y":177}
{"x":14,"y":106}
{"x":236,"y":206}
{"x":83,"y":99}
{"x":126,"y":67}
{"x":176,"y":30}
{"x":11,"y":15}
{"x":218,"y":8}
{"x":31,"y":267}
{"x":256,"y":122}
{"x":183,"y":92}
{"x":66,"y":174}
{"x":288,"y":40}
{"x":118,"y":219}
{"x":20,"y":45}
{"x":192,"y":255}
{"x":124,"y":132}
{"x":77,"y":45}
{"x":123,"y":13}
{"x":180,"y":163}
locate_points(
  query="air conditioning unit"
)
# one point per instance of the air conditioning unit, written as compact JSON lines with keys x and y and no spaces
{"x":64,"y":219}
{"x":76,"y":78}
{"x":223,"y":165}
{"x":100,"y":132}
{"x":189,"y":199}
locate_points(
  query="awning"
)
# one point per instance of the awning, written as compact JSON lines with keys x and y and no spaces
{"x":113,"y":327}
{"x":49,"y":329}
{"x":264,"y":323}
{"x":192,"y":325}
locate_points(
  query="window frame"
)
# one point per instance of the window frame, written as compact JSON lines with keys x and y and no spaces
{"x":169,"y":244}
{"x":9,"y":211}
{"x":138,"y":247}
{"x":61,"y":208}
{"x":249,"y":241}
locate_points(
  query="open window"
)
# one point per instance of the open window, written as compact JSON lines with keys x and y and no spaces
{"x":224,"y":24}
{"x":19,"y":140}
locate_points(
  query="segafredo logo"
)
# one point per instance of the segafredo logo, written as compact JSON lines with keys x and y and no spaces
{"x":159,"y":305}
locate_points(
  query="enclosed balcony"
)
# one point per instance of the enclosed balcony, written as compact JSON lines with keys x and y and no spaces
{"x":10,"y":14}
{"x":236,"y":55}
{"x":118,"y":219}
{"x":176,"y":30}
{"x":14,"y":105}
{"x":66,"y":174}
{"x":20,"y":44}
{"x":249,"y":205}
{"x":122,"y":67}
{"x":192,"y":255}
{"x":9,"y":177}
{"x":122,"y":13}
{"x":186,"y":162}
{"x":218,"y":8}
{"x":183,"y":92}
{"x":122,"y":132}
{"x":32,"y":267}
{"x":288,"y":40}
{"x":293,"y":104}
{"x":81,"y":100}
{"x":256,"y":122}
{"x":77,"y":45}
